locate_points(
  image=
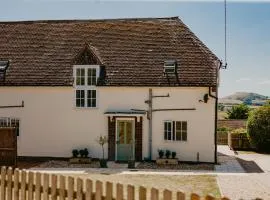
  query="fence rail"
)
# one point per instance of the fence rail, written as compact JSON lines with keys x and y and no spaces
{"x":16,"y":184}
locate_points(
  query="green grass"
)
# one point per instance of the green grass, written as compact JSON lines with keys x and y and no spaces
{"x":199,"y":184}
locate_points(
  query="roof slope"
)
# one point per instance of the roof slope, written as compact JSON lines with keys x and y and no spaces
{"x":133,"y":52}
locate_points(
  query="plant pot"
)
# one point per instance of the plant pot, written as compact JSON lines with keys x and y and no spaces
{"x":103,"y":163}
{"x":131,"y":164}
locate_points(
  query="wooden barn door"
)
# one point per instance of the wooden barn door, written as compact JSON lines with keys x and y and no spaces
{"x":8,"y":146}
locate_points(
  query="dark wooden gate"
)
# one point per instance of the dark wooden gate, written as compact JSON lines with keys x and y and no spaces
{"x":8,"y":146}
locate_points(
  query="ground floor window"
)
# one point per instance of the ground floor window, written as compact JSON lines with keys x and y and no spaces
{"x":175,"y":130}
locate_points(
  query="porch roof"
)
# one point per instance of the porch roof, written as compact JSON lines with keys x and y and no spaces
{"x":125,"y":112}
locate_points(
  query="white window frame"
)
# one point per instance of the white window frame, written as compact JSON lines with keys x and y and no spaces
{"x":85,"y":87}
{"x":171,"y":122}
{"x":181,"y":131}
{"x":173,"y":131}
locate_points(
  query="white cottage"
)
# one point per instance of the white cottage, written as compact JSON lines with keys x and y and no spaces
{"x":146,"y":84}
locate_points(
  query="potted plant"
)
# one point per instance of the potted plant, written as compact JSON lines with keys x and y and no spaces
{"x":168,"y":154}
{"x":102,"y":140}
{"x":75,"y":153}
{"x":160,"y":153}
{"x":86,"y":153}
{"x":173,"y":155}
{"x":81,"y":152}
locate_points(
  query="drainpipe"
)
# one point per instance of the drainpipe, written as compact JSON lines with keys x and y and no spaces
{"x":150,"y":115}
{"x":216,"y":116}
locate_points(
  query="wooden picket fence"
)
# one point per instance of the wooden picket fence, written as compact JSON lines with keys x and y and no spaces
{"x":16,"y":184}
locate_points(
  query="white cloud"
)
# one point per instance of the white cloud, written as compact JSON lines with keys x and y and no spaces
{"x":264,"y":82}
{"x":244,"y":79}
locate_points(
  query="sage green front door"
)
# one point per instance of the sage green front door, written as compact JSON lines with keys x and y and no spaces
{"x":125,"y":140}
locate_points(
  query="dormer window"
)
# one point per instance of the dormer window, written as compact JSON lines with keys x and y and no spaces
{"x":3,"y":68}
{"x":170,"y":67}
{"x":85,"y":81}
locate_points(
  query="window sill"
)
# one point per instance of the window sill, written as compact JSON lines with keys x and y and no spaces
{"x":85,"y":108}
{"x":175,"y":141}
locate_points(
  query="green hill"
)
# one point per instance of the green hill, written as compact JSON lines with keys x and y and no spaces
{"x":246,"y":96}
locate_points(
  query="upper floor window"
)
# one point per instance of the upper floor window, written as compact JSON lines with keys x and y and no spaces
{"x":175,"y":130}
{"x":85,"y":85}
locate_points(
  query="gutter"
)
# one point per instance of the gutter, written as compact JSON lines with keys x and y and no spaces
{"x":216,"y":116}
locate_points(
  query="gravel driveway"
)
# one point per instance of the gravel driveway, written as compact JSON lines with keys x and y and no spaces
{"x":247,"y":185}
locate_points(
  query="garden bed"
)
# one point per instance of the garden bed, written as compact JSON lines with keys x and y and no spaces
{"x":67,"y":164}
{"x":179,"y":166}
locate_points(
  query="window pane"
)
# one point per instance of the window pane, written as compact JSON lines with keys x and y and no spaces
{"x":82,"y":81}
{"x":91,"y":75}
{"x":184,"y":136}
{"x":82,"y":72}
{"x":91,"y":98}
{"x":169,"y":135}
{"x":165,"y":130}
{"x":82,"y":102}
{"x":78,"y":103}
{"x":178,"y":135}
{"x":184,"y":126}
{"x":93,"y":93}
{"x":78,"y":72}
{"x":77,"y":94}
{"x":178,"y":126}
{"x":93,"y":103}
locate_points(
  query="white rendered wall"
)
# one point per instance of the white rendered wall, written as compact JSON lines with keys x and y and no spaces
{"x":52,"y":126}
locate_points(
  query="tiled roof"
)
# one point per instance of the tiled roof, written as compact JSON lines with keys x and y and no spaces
{"x":133,"y":51}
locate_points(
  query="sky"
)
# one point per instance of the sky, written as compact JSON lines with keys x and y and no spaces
{"x":248,"y":29}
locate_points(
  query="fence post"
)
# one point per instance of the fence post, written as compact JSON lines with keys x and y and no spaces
{"x":38,"y":186}
{"x":70,"y":188}
{"x":109,"y":191}
{"x":130,"y":192}
{"x":154,"y":194}
{"x":89,"y":189}
{"x":3,"y":180}
{"x":30,"y":185}
{"x":54,"y":187}
{"x":79,"y":189}
{"x":209,"y":197}
{"x":99,"y":190}
{"x":23,"y":185}
{"x":45,"y":186}
{"x":180,"y":196}
{"x":142,"y":193}
{"x":167,"y":195}
{"x":225,"y":198}
{"x":119,"y":191}
{"x":62,"y":194}
{"x":9,"y":183}
{"x":194,"y":196}
{"x":16,"y":184}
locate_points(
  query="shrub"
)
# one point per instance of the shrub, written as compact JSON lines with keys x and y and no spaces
{"x":86,"y":152}
{"x":239,"y":131}
{"x":161,"y":153}
{"x":81,"y":152}
{"x":258,"y":128}
{"x":173,"y":154}
{"x":75,"y":153}
{"x":238,"y":112}
{"x":168,"y":153}
{"x":223,"y":128}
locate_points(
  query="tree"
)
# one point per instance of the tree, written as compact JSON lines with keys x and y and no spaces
{"x":258,"y":128}
{"x":220,"y":107}
{"x":238,"y":112}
